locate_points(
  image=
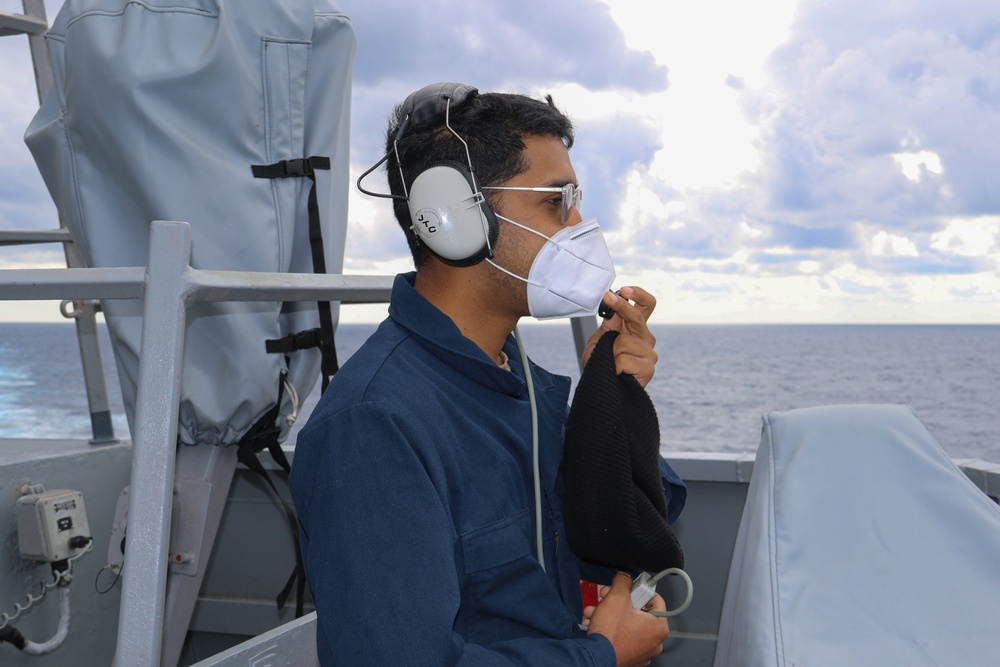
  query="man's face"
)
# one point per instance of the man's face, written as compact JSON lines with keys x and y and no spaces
{"x":548,"y":166}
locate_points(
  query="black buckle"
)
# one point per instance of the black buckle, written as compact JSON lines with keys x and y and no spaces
{"x":296,"y":167}
{"x":304,"y":340}
{"x":301,"y":340}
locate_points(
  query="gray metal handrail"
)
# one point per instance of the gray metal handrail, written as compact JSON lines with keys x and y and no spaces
{"x":167,"y":286}
{"x":21,"y":24}
{"x":29,"y":236}
{"x":34,"y":24}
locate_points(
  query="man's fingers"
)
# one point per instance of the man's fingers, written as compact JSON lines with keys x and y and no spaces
{"x":634,"y":353}
{"x":621,"y":579}
{"x":657,"y":603}
{"x":621,"y":584}
{"x":632,"y":316}
{"x":633,"y":357}
{"x":645,"y":302}
{"x":630,"y":346}
{"x":641,"y":368}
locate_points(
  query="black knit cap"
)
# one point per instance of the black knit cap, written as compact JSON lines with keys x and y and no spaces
{"x":615,"y":510}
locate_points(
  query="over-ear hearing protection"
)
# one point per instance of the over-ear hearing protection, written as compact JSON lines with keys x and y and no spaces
{"x":450,"y":215}
{"x":448,"y":211}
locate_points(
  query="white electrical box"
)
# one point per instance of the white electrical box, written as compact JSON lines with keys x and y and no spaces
{"x":48,"y":522}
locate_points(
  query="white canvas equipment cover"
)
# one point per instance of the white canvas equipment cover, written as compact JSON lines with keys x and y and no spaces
{"x":861,"y":544}
{"x":158,"y":111}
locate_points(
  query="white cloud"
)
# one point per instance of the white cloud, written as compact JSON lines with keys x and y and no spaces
{"x":47,"y":256}
{"x":885,"y":244}
{"x":373,"y":235}
{"x":783,"y":160}
{"x":915,"y":165}
{"x":706,"y":140}
{"x":975,"y":237}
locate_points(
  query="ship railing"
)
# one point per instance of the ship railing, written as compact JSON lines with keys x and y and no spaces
{"x":33,"y":23}
{"x":167,"y":286}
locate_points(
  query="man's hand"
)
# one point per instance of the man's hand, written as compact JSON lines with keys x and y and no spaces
{"x":634,"y":353}
{"x":636,"y":636}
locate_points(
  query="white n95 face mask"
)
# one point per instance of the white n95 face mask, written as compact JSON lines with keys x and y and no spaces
{"x":570,"y":273}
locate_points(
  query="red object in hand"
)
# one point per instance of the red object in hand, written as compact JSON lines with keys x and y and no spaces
{"x":589,"y":592}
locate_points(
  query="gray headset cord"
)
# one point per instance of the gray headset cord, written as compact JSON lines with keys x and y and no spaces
{"x":644,"y":581}
{"x":534,"y":448}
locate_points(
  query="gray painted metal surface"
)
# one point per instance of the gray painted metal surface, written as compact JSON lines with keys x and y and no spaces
{"x":83,"y":313}
{"x":168,"y":286}
{"x":38,"y":23}
{"x":291,"y":645}
{"x":98,"y":473}
{"x":73,"y":284}
{"x":171,"y":285}
{"x":34,"y":24}
{"x":129,"y":283}
{"x":582,"y":328}
{"x":20,"y":24}
{"x":204,"y":475}
{"x":25,"y":236}
{"x":140,"y":621}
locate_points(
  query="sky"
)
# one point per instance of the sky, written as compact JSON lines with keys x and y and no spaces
{"x":767,"y":162}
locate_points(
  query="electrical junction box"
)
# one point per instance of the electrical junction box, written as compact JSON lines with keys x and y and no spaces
{"x":48,"y":521}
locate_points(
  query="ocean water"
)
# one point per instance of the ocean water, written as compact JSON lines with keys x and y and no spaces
{"x":712,"y":385}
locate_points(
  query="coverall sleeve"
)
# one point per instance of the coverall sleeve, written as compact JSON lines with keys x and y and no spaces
{"x":674,"y":490}
{"x":379,"y":548}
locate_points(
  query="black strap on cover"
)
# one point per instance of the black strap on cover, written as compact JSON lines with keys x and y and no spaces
{"x":615,"y":509}
{"x":302,"y":340}
{"x":264,"y":435}
{"x":306,"y":168}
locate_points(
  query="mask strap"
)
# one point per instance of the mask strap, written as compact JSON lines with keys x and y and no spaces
{"x":512,"y":274}
{"x":548,"y":239}
{"x":580,"y":227}
{"x":524,"y":227}
{"x":527,"y":229}
{"x":584,"y":227}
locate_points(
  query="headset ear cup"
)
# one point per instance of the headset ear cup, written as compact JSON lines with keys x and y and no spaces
{"x":450,"y":216}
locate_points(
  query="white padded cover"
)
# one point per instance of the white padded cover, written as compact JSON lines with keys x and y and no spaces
{"x":158,"y":111}
{"x":861,"y":543}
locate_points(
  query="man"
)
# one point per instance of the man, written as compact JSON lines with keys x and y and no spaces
{"x":413,"y":478}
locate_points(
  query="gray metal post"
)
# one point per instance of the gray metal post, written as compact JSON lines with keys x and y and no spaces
{"x":140,"y":623}
{"x":84,"y":315}
{"x":582,"y":327}
{"x":204,"y":475}
{"x":36,"y":25}
{"x":39,"y":53}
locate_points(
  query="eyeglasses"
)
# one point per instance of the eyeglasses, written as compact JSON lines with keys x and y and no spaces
{"x":571,"y":195}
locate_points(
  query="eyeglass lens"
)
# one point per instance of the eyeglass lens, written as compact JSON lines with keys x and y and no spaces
{"x":572,"y":196}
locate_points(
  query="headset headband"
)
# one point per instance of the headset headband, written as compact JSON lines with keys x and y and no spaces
{"x":449,"y":214}
{"x":419,"y":107}
{"x":431,"y":102}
